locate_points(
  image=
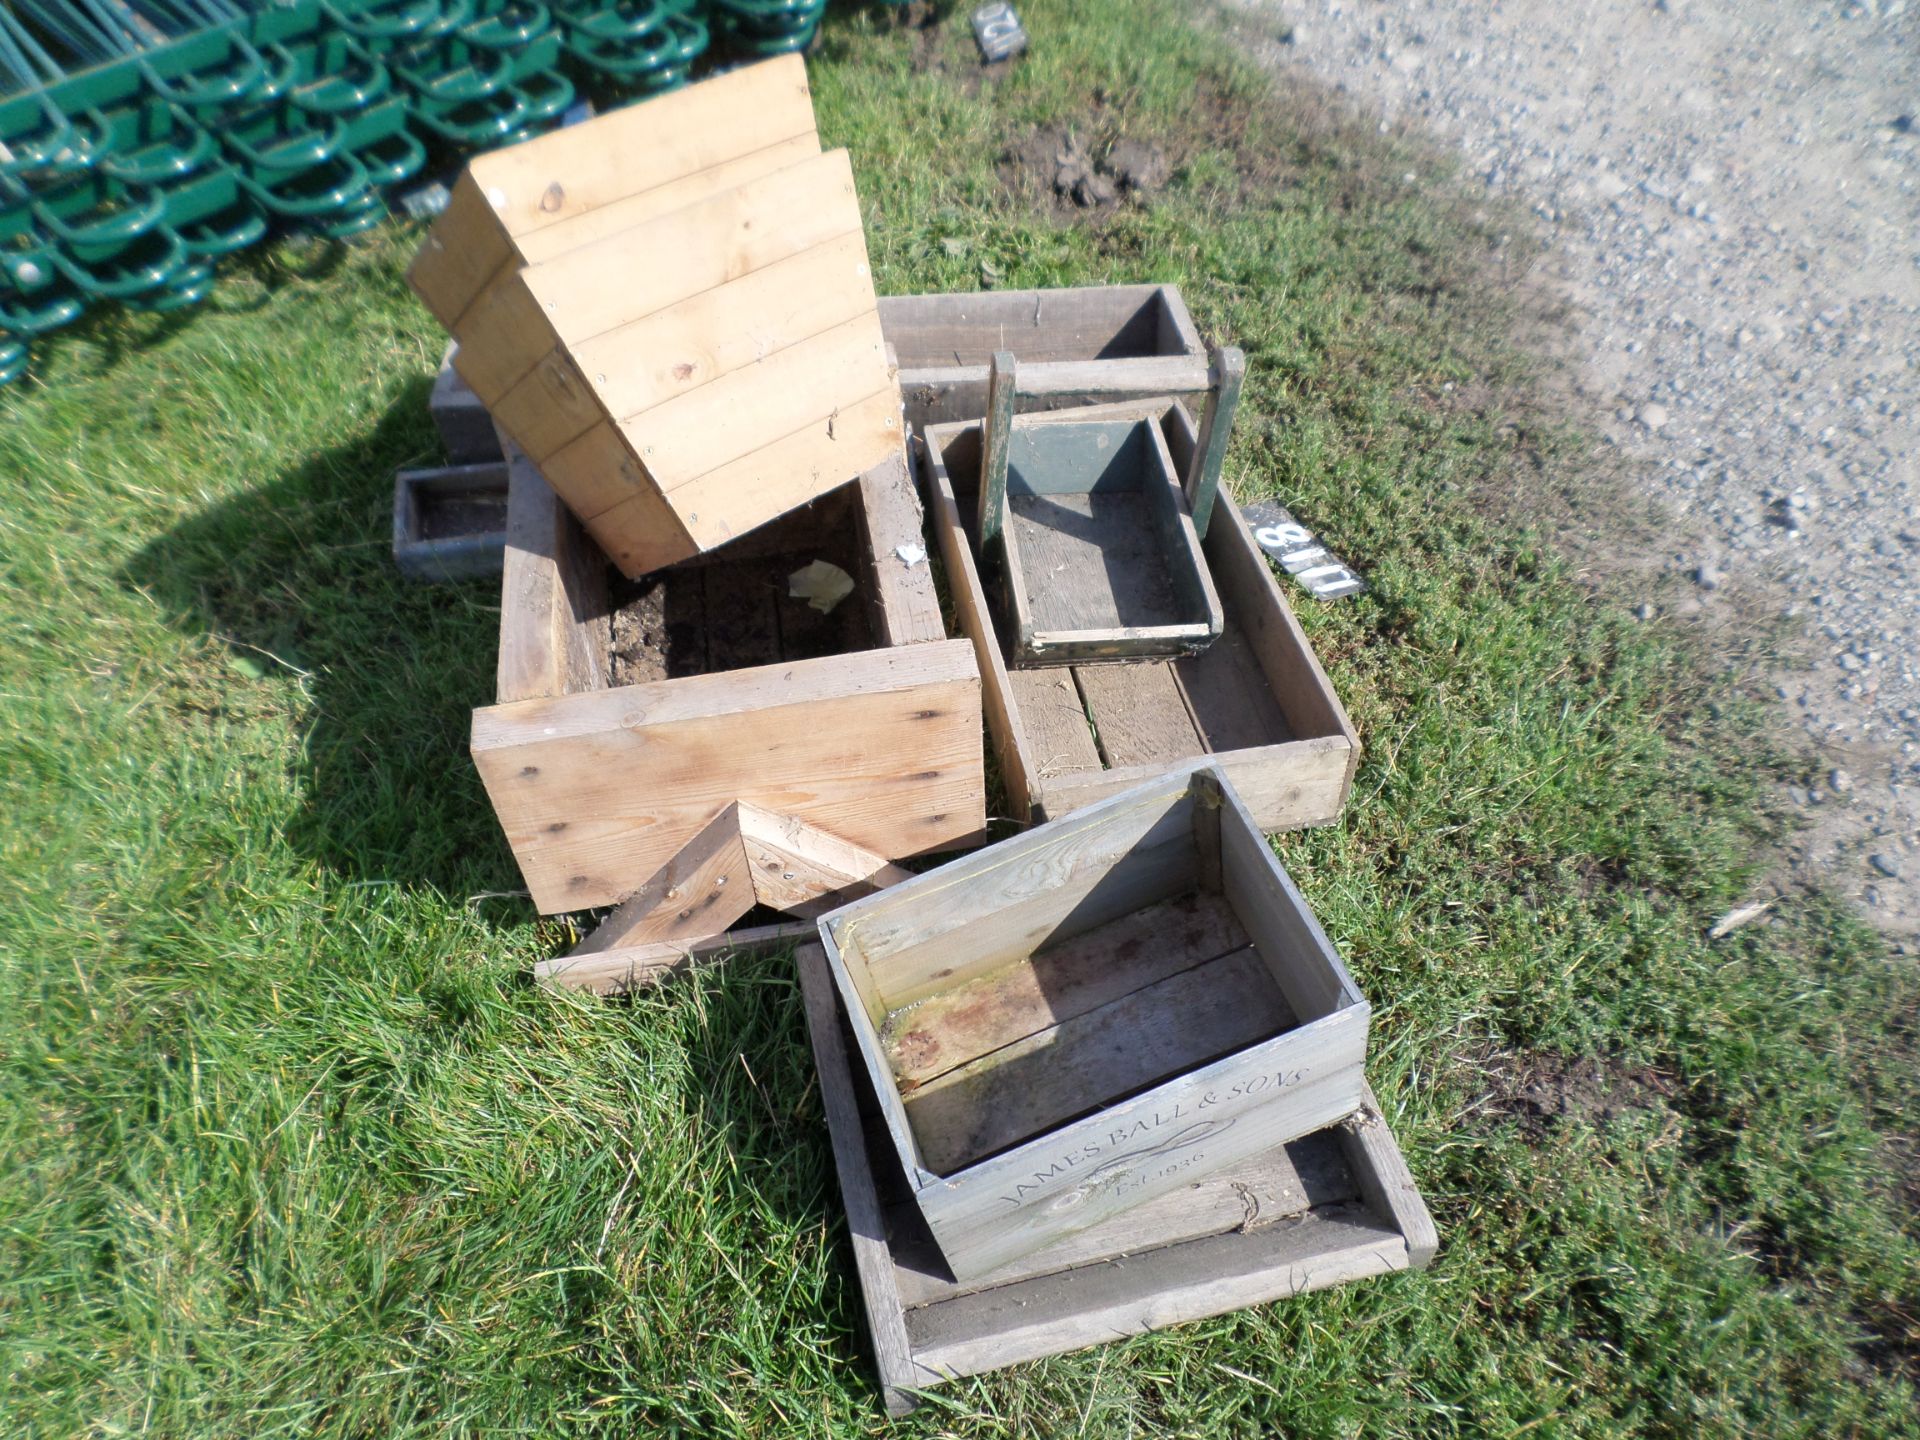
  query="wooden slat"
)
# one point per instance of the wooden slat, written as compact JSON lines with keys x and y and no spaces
{"x":746,"y":493}
{"x":1384,"y":1180}
{"x":556,"y":176}
{"x":625,"y":277}
{"x":553,"y":625}
{"x":803,"y":870}
{"x":905,"y":604}
{"x":1033,"y":1084}
{"x":1286,"y":1182}
{"x":1058,"y":983}
{"x":866,"y":1229}
{"x":698,"y":893}
{"x":1138,"y":714}
{"x":1057,"y":733}
{"x":538,"y":246}
{"x":547,"y":407}
{"x":1036,"y":325}
{"x":691,"y":434}
{"x":1228,"y":697}
{"x":614,"y":972}
{"x":881,"y":748}
{"x":462,"y":252}
{"x":1018,"y":771}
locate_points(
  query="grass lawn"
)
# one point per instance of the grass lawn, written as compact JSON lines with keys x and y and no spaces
{"x":287,"y":1147}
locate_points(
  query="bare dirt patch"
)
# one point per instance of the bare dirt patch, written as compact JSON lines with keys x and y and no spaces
{"x":1544,"y":1091}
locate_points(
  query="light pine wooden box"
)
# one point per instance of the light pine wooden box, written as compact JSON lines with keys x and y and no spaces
{"x":670,"y":311}
{"x":1257,"y":700}
{"x":1329,"y":1208}
{"x":865,"y":722}
{"x":1074,"y":345}
{"x":1079,"y":1019}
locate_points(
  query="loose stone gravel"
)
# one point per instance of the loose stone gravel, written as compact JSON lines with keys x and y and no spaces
{"x":1730,"y":194}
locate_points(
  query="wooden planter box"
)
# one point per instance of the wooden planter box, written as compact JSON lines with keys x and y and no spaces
{"x":1257,"y":700}
{"x":451,"y":523}
{"x":1093,"y":342}
{"x":1334,"y":1206}
{"x":629,"y":715}
{"x":670,"y":311}
{"x":1086,"y":1016}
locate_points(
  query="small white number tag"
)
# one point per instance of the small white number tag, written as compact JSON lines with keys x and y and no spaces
{"x":997,"y":30}
{"x":1299,"y":554}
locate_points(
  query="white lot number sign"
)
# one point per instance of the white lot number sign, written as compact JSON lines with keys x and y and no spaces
{"x":997,"y":29}
{"x":1299,"y":554}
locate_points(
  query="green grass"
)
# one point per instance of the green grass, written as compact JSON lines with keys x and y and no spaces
{"x":288,"y":1148}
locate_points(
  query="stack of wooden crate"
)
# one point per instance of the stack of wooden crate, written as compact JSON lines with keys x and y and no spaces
{"x":1103,"y":1076}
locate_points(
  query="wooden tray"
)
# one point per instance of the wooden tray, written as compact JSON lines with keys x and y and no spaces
{"x":866,"y":722}
{"x":1097,"y":341}
{"x":1335,"y":1206}
{"x":1257,"y":700}
{"x":1087,"y":1015}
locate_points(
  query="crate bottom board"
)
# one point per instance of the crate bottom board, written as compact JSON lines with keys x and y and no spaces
{"x":1055,"y":1035}
{"x":1335,"y":1206}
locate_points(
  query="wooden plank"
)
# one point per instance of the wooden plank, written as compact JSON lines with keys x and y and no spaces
{"x":758,"y":487}
{"x":461,"y":253}
{"x":1092,"y":563}
{"x":614,"y":972}
{"x":1301,"y":782}
{"x":1286,"y":1182}
{"x":765,"y":401}
{"x":538,"y":246}
{"x":1018,"y":770}
{"x":881,"y":748}
{"x":943,"y":331}
{"x":600,"y":287}
{"x":553,"y":638}
{"x":1387,"y":1185}
{"x":905,"y":605}
{"x":1138,"y":714}
{"x":886,"y":1326}
{"x":1228,"y":371}
{"x":996,"y":440}
{"x":1173,"y":325}
{"x":554,"y":177}
{"x":803,"y":870}
{"x":549,"y":406}
{"x":1057,"y":733}
{"x":1058,"y":983}
{"x":697,"y":894}
{"x":736,"y":326}
{"x":1209,"y":1008}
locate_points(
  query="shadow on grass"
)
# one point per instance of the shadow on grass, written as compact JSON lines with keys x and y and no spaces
{"x":296,"y":580}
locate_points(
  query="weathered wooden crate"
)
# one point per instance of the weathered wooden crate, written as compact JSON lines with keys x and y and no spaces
{"x":1092,"y":342}
{"x":450,"y":523}
{"x":1257,"y":700}
{"x":1088,"y":1015}
{"x":1330,"y":1207}
{"x":607,"y":752}
{"x":669,"y":310}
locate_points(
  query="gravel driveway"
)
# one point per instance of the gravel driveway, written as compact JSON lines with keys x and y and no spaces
{"x":1730,"y":192}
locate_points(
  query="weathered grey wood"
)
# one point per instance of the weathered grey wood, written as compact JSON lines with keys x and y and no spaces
{"x":1059,"y":982}
{"x":1307,"y":967}
{"x":1289,"y":1180}
{"x":1300,"y":783}
{"x":1003,"y":384}
{"x":1139,"y":714}
{"x":1057,"y":735}
{"x":1202,"y":1012}
{"x":1282,"y":1223}
{"x":1229,"y":699}
{"x":1093,"y":562}
{"x":886,"y":1325}
{"x":1090,"y":1157}
{"x":1227,"y":372}
{"x":1387,"y":1185}
{"x":1173,"y":326}
{"x":624,"y":968}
